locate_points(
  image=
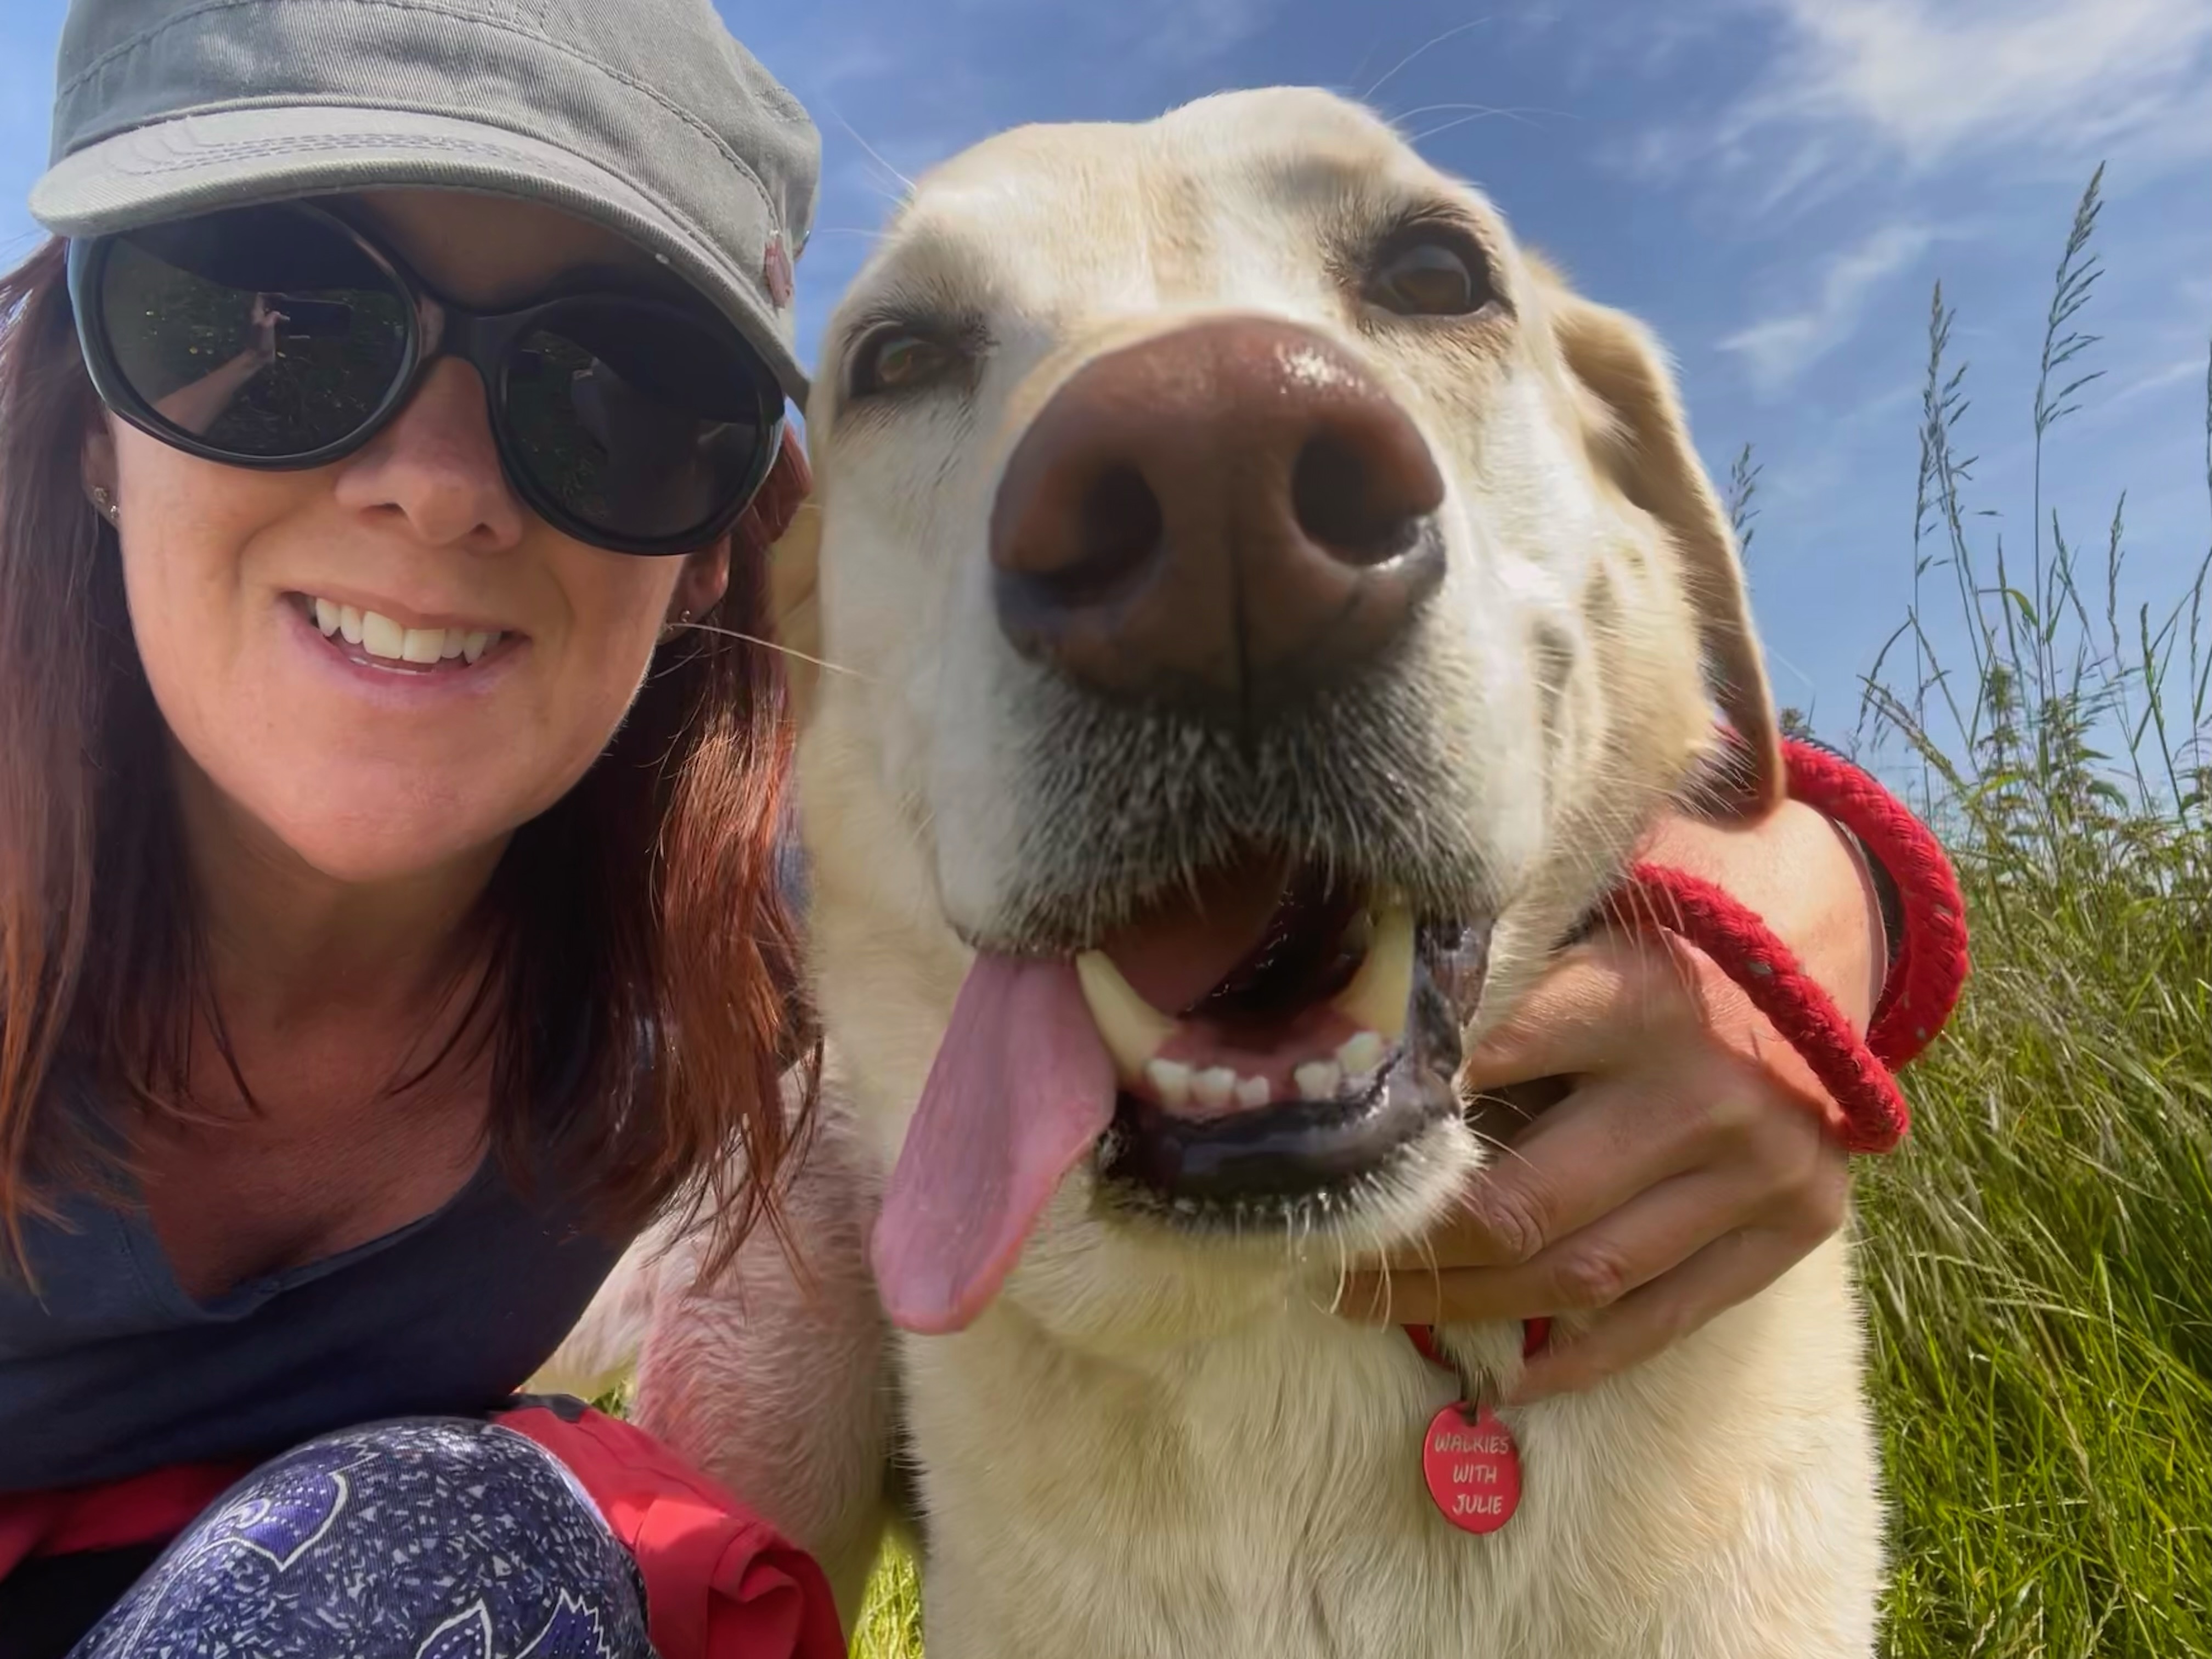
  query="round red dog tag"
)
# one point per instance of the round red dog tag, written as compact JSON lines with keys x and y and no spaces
{"x":1472,"y":1468}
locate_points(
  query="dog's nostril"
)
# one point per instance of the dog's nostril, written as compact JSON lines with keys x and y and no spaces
{"x":1345,"y":503}
{"x":1119,"y":525}
{"x":1121,"y":518}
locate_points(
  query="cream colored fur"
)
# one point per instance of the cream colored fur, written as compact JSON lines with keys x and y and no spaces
{"x":1154,"y":1444}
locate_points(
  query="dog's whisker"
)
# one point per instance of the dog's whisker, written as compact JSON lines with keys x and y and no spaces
{"x":874,"y":154}
{"x":1482,"y":111}
{"x":822,"y":663}
{"x":1419,"y":51}
{"x":1439,"y":130}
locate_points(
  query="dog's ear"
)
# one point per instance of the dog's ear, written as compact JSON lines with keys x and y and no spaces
{"x":793,"y":607}
{"x":1640,"y":440}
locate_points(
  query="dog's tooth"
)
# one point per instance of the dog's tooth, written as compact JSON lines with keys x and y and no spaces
{"x":1215,"y":1087}
{"x":475,"y":645}
{"x":1377,"y":996}
{"x":326,"y":617}
{"x":1361,"y":1052}
{"x":1318,"y":1080}
{"x":1170,"y":1081}
{"x":1253,"y":1092}
{"x":1132,"y":1029}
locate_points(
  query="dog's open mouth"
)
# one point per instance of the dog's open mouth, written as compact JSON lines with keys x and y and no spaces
{"x":1313,"y":1038}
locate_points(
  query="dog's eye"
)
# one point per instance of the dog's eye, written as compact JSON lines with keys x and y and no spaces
{"x":1430,"y":277}
{"x":897,"y":358}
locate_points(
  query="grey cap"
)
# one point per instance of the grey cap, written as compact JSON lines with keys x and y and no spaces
{"x":642,"y":115}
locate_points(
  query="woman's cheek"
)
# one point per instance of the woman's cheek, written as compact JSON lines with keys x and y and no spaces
{"x":617,"y":607}
{"x":183,"y":581}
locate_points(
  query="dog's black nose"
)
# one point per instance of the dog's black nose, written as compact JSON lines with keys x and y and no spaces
{"x":1214,"y":518}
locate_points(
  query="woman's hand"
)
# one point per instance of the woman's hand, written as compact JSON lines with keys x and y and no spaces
{"x":1688,"y":1166}
{"x":264,"y":320}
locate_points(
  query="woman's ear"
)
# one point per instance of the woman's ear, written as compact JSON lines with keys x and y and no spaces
{"x":705,"y":579}
{"x":96,"y":464}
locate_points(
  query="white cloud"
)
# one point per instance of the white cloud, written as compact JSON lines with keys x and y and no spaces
{"x":854,"y":59}
{"x":1777,"y":349}
{"x":1855,"y":84}
{"x":2191,"y":368}
{"x":1168,"y":34}
{"x":1180,"y":32}
{"x":2069,"y":74}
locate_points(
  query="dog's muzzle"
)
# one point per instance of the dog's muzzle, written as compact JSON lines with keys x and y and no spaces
{"x":1232,"y":527}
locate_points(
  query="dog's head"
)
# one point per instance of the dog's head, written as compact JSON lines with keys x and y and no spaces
{"x":1262,"y":606}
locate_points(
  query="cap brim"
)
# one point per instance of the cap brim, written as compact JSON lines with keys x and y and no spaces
{"x":236,"y":158}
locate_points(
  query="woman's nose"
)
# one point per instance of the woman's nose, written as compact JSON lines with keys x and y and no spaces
{"x":435,"y":469}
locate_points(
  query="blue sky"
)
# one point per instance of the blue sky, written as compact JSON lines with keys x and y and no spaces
{"x":1773,"y":184}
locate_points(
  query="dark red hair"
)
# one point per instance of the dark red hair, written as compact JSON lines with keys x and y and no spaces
{"x":643,"y":959}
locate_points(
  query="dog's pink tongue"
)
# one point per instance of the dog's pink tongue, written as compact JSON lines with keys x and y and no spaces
{"x":1021,"y":1089}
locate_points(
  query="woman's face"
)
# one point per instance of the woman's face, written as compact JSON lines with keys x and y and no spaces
{"x":366,"y":765}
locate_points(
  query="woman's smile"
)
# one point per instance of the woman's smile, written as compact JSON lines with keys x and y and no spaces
{"x":433,"y":652}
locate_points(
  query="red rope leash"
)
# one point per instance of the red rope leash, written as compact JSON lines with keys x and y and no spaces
{"x":1923,"y":982}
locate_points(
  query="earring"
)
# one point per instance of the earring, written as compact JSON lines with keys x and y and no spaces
{"x":107,"y":505}
{"x":669,"y":631}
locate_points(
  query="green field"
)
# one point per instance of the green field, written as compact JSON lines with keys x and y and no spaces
{"x":2038,"y":1259}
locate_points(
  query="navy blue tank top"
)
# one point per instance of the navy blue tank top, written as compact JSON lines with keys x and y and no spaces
{"x":110,"y":1368}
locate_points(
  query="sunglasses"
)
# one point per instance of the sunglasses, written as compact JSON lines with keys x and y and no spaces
{"x":282,"y":338}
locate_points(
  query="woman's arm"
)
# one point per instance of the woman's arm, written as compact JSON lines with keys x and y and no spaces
{"x":199,"y":405}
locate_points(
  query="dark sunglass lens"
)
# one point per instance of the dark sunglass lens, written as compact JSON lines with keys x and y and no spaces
{"x":641,"y":423}
{"x":267,"y":333}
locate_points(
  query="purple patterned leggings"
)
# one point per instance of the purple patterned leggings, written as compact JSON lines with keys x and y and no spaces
{"x":424,"y":1538}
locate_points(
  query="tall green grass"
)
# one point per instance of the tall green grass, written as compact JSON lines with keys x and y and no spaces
{"x":2038,"y":1259}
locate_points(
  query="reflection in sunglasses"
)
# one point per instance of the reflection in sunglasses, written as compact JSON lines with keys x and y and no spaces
{"x":639,"y":422}
{"x":198,"y":404}
{"x":636,"y":434}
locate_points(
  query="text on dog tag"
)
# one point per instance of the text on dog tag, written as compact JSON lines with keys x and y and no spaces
{"x":1472,"y":1468}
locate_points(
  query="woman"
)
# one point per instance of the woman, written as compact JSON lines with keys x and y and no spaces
{"x":388,"y":922}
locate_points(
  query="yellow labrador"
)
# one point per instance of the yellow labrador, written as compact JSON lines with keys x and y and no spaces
{"x":1262,"y":606}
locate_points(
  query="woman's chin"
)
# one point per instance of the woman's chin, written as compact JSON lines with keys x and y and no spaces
{"x":350,"y":841}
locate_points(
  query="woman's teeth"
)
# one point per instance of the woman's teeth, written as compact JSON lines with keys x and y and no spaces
{"x":1374,"y":1004}
{"x":380,"y":637}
